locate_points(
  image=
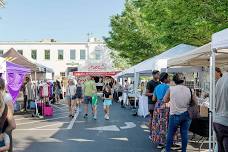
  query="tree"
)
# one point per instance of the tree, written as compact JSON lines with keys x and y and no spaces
{"x":131,"y":36}
{"x":119,"y":62}
{"x":146,"y":28}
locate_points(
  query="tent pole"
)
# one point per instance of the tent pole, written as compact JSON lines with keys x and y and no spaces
{"x":210,"y":105}
{"x":35,"y":84}
{"x":136,"y":82}
{"x":213,"y":94}
{"x":212,"y":101}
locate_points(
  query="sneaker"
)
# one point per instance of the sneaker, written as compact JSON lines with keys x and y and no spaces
{"x":163,"y":150}
{"x":160,"y":146}
{"x":175,"y":147}
{"x":86,"y":116}
{"x":95,"y":117}
{"x":107,"y":117}
{"x":150,"y":137}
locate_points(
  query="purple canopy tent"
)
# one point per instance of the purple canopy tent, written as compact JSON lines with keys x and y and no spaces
{"x":15,"y":75}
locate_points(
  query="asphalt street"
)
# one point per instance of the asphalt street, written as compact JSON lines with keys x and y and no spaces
{"x":122,"y":133}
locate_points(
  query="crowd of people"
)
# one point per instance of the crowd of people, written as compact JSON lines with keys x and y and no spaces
{"x":168,"y":104}
{"x":168,"y":107}
{"x":86,"y":92}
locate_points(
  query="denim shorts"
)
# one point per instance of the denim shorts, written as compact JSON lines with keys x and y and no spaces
{"x":107,"y":102}
{"x":87,"y":100}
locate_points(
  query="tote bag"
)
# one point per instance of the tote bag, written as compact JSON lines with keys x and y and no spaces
{"x":193,"y":109}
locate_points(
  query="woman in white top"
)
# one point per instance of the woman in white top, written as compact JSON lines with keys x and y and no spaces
{"x":71,"y":92}
{"x":179,"y":97}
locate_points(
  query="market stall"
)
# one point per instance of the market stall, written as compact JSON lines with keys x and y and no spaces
{"x":214,"y":54}
{"x":197,"y":58}
{"x":146,"y":67}
{"x":14,"y":76}
{"x":35,"y":87}
{"x":37,"y":70}
{"x":219,"y":57}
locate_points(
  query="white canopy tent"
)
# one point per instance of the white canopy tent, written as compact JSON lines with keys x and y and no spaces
{"x":210,"y":55}
{"x":155,"y":63}
{"x":158,"y":62}
{"x":197,"y":57}
{"x":219,"y":56}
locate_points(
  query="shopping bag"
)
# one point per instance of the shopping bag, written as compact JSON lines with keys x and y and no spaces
{"x":193,"y":109}
{"x":48,"y":111}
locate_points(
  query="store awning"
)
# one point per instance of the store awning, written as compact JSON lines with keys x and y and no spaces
{"x":81,"y":74}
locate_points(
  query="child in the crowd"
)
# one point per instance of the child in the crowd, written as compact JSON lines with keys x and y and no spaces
{"x":4,"y":142}
{"x":107,"y":101}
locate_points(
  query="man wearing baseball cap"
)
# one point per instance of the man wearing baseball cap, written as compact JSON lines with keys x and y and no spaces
{"x":150,"y":90}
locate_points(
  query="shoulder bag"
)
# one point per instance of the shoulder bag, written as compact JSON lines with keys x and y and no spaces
{"x":193,"y":109}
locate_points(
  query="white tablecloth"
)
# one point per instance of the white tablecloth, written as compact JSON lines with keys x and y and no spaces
{"x":143,"y":106}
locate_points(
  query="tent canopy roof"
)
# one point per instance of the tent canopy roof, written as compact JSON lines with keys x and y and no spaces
{"x":199,"y":57}
{"x":150,"y":64}
{"x":220,"y":40}
{"x":19,"y":59}
{"x":15,"y":67}
{"x":192,"y":58}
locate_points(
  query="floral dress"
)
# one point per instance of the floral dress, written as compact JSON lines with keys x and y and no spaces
{"x":159,"y":125}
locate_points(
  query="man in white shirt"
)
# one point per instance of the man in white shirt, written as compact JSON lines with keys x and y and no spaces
{"x":221,"y":113}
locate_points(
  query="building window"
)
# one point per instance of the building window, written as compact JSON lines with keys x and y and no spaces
{"x":62,"y":74}
{"x":47,"y":54}
{"x":1,"y":52}
{"x":60,"y":54}
{"x":72,"y":54}
{"x":20,"y":51}
{"x":34,"y":54}
{"x":82,"y":54}
{"x":98,"y":54}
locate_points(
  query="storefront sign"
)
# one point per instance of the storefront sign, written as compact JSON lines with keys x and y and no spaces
{"x":80,"y":74}
{"x":96,"y":68}
{"x":72,"y":64}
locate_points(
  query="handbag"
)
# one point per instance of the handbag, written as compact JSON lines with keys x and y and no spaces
{"x":193,"y":109}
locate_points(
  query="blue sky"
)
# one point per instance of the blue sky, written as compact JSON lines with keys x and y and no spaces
{"x":63,"y":20}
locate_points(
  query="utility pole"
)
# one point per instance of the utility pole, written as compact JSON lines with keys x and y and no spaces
{"x":89,"y":35}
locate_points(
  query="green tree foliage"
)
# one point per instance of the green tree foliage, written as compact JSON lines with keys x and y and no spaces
{"x":147,"y":27}
{"x":119,"y":62}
